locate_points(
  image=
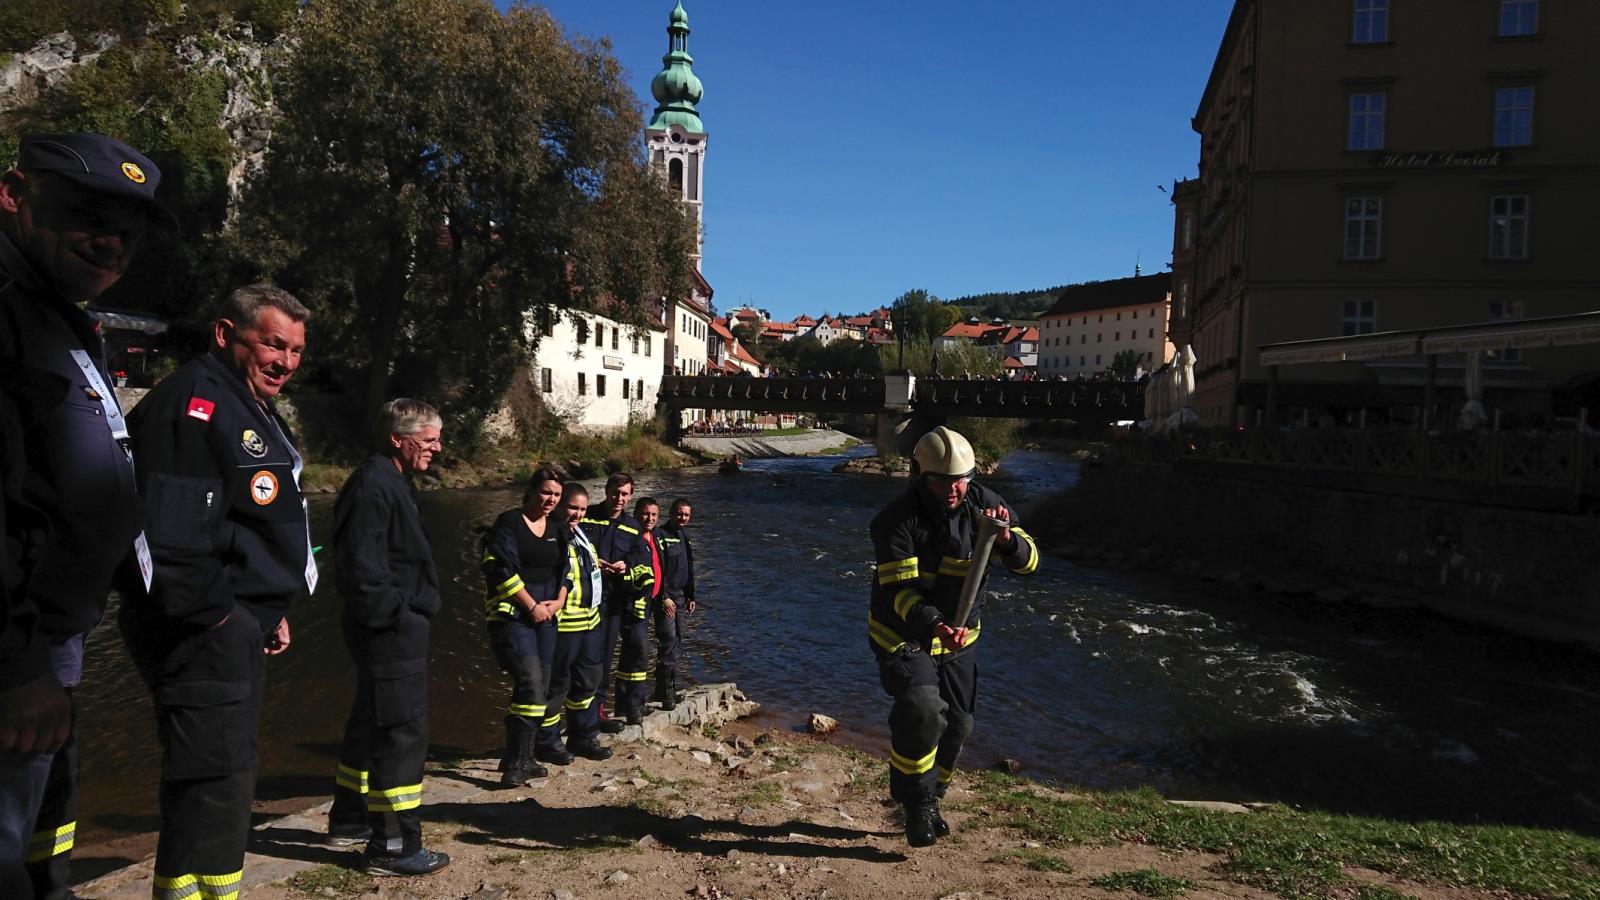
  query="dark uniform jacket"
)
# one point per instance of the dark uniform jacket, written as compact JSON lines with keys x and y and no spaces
{"x":923,"y":553}
{"x":384,"y":561}
{"x":72,"y":511}
{"x":227,"y":522}
{"x":677,"y":562}
{"x":582,"y":609}
{"x":505,"y":572}
{"x":622,"y":539}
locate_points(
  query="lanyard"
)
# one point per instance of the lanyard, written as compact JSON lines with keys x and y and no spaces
{"x":299,"y":466}
{"x":119,"y":433}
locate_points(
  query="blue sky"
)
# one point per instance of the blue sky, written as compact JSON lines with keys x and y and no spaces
{"x":861,"y":149}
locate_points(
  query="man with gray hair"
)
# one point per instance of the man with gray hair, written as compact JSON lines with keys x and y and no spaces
{"x":386,"y":576}
{"x":220,"y":479}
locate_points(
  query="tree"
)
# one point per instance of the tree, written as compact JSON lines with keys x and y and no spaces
{"x":1125,"y":364}
{"x":922,"y":315}
{"x":442,"y":170}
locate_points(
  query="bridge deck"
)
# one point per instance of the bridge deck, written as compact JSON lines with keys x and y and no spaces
{"x":1101,"y":400}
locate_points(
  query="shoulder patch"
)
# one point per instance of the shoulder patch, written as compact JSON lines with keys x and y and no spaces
{"x":263,"y":487}
{"x":252,"y":443}
{"x":201,"y":408}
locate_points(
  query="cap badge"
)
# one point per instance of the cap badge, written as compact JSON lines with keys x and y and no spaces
{"x":134,"y":173}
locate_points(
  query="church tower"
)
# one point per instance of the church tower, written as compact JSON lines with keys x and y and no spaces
{"x":675,"y":137}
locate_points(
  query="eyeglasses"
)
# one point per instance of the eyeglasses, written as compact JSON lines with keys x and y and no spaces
{"x":429,"y":444}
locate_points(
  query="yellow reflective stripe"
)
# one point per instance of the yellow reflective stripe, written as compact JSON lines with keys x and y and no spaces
{"x":940,"y":649}
{"x":577,"y":619}
{"x":506,"y":588}
{"x":1028,"y":567}
{"x":580,"y":704}
{"x":628,"y":528}
{"x":909,"y":766}
{"x":883,"y":635}
{"x":945,"y":775}
{"x":905,"y":600}
{"x":489,"y":557}
{"x":210,"y":887}
{"x":48,"y":842}
{"x":527,"y":710}
{"x":551,"y":721}
{"x":396,"y":799}
{"x":949,"y":565}
{"x":632,"y":676}
{"x":353,"y":779}
{"x":896,"y":571}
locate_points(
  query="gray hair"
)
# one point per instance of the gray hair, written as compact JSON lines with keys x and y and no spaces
{"x":404,"y":416}
{"x":243,"y":306}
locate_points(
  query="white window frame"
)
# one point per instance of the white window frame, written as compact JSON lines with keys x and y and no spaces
{"x":1363,"y":227}
{"x":1513,"y":116}
{"x":1518,"y":18}
{"x":1510,"y":218}
{"x":1370,"y":22}
{"x":1359,"y":317}
{"x":1367,"y":114}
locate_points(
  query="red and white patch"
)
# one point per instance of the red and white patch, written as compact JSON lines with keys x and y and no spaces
{"x":263,"y":488}
{"x":201,"y":409}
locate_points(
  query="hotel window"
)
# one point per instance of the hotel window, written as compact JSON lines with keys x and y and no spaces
{"x":1513,"y":116}
{"x":636,"y":345}
{"x":1366,"y":120}
{"x":1188,"y":230}
{"x":1183,"y":300}
{"x":613,"y":338}
{"x":1363,"y":225}
{"x":547,"y":322}
{"x":1097,"y":359}
{"x":1371,"y":25}
{"x":583,"y":384}
{"x":1360,"y":317}
{"x":1519,"y":17}
{"x":1151,"y":334}
{"x":1069,"y":340}
{"x":638,"y":389}
{"x":599,"y":335}
{"x":624,"y":388}
{"x":545,"y":381}
{"x":599,"y":385}
{"x":1505,"y":311}
{"x":647,"y":345}
{"x":1508,"y":227}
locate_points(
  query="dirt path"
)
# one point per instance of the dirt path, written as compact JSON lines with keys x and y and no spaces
{"x":699,"y":808}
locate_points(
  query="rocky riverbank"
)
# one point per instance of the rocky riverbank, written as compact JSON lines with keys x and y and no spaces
{"x":702,"y":803}
{"x":812,"y":443}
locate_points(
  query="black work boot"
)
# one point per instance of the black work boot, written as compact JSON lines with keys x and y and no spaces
{"x":589,"y":748}
{"x":666,"y":689}
{"x":609,"y":725}
{"x":509,"y":755}
{"x":524,"y":767}
{"x":940,"y":826}
{"x":555,"y":756}
{"x":920,"y":828}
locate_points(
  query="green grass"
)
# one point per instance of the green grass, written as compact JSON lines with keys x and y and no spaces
{"x":1304,"y":854}
{"x":1146,"y":882}
{"x":344,"y":882}
{"x":762,"y":793}
{"x":1037,"y":860}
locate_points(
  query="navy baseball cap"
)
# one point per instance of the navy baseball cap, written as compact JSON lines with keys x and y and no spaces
{"x":98,"y":163}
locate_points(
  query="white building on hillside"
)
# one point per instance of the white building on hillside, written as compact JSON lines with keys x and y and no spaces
{"x":596,"y":374}
{"x":1091,"y":323}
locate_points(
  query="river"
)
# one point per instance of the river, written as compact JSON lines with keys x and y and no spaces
{"x":1103,"y":680}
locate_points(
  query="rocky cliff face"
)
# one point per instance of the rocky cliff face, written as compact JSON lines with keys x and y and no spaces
{"x":246,"y":115}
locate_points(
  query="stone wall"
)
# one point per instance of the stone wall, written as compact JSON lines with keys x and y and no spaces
{"x":759,"y":446}
{"x":1527,"y":570}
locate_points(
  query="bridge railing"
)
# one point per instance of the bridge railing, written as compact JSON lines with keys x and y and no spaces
{"x":1567,"y":461}
{"x":755,"y":390}
{"x":976,"y":392}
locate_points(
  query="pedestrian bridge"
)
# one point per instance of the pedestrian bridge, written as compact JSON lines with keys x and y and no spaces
{"x":1083,"y":401}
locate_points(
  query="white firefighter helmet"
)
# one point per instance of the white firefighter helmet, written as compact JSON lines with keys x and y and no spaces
{"x":944,"y":452}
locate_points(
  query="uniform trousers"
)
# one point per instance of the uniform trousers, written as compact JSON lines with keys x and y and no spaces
{"x":631,"y":624}
{"x":39,"y":802}
{"x":379,"y":785}
{"x":574,"y":675}
{"x":667,"y":634}
{"x":208,"y":688}
{"x":525,"y":651}
{"x":934,"y":698}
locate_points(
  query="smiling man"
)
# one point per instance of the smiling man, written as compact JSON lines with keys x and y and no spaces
{"x":227,"y":529}
{"x":72,"y":215}
{"x":390,"y":587}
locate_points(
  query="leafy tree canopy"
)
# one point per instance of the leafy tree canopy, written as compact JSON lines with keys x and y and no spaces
{"x":922,"y":315}
{"x":442,"y":169}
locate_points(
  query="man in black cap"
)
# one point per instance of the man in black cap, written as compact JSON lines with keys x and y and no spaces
{"x":72,"y":214}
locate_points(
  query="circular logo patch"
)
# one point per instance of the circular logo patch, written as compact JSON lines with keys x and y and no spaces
{"x":252,"y":443}
{"x":263,"y":487}
{"x":134,"y":173}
